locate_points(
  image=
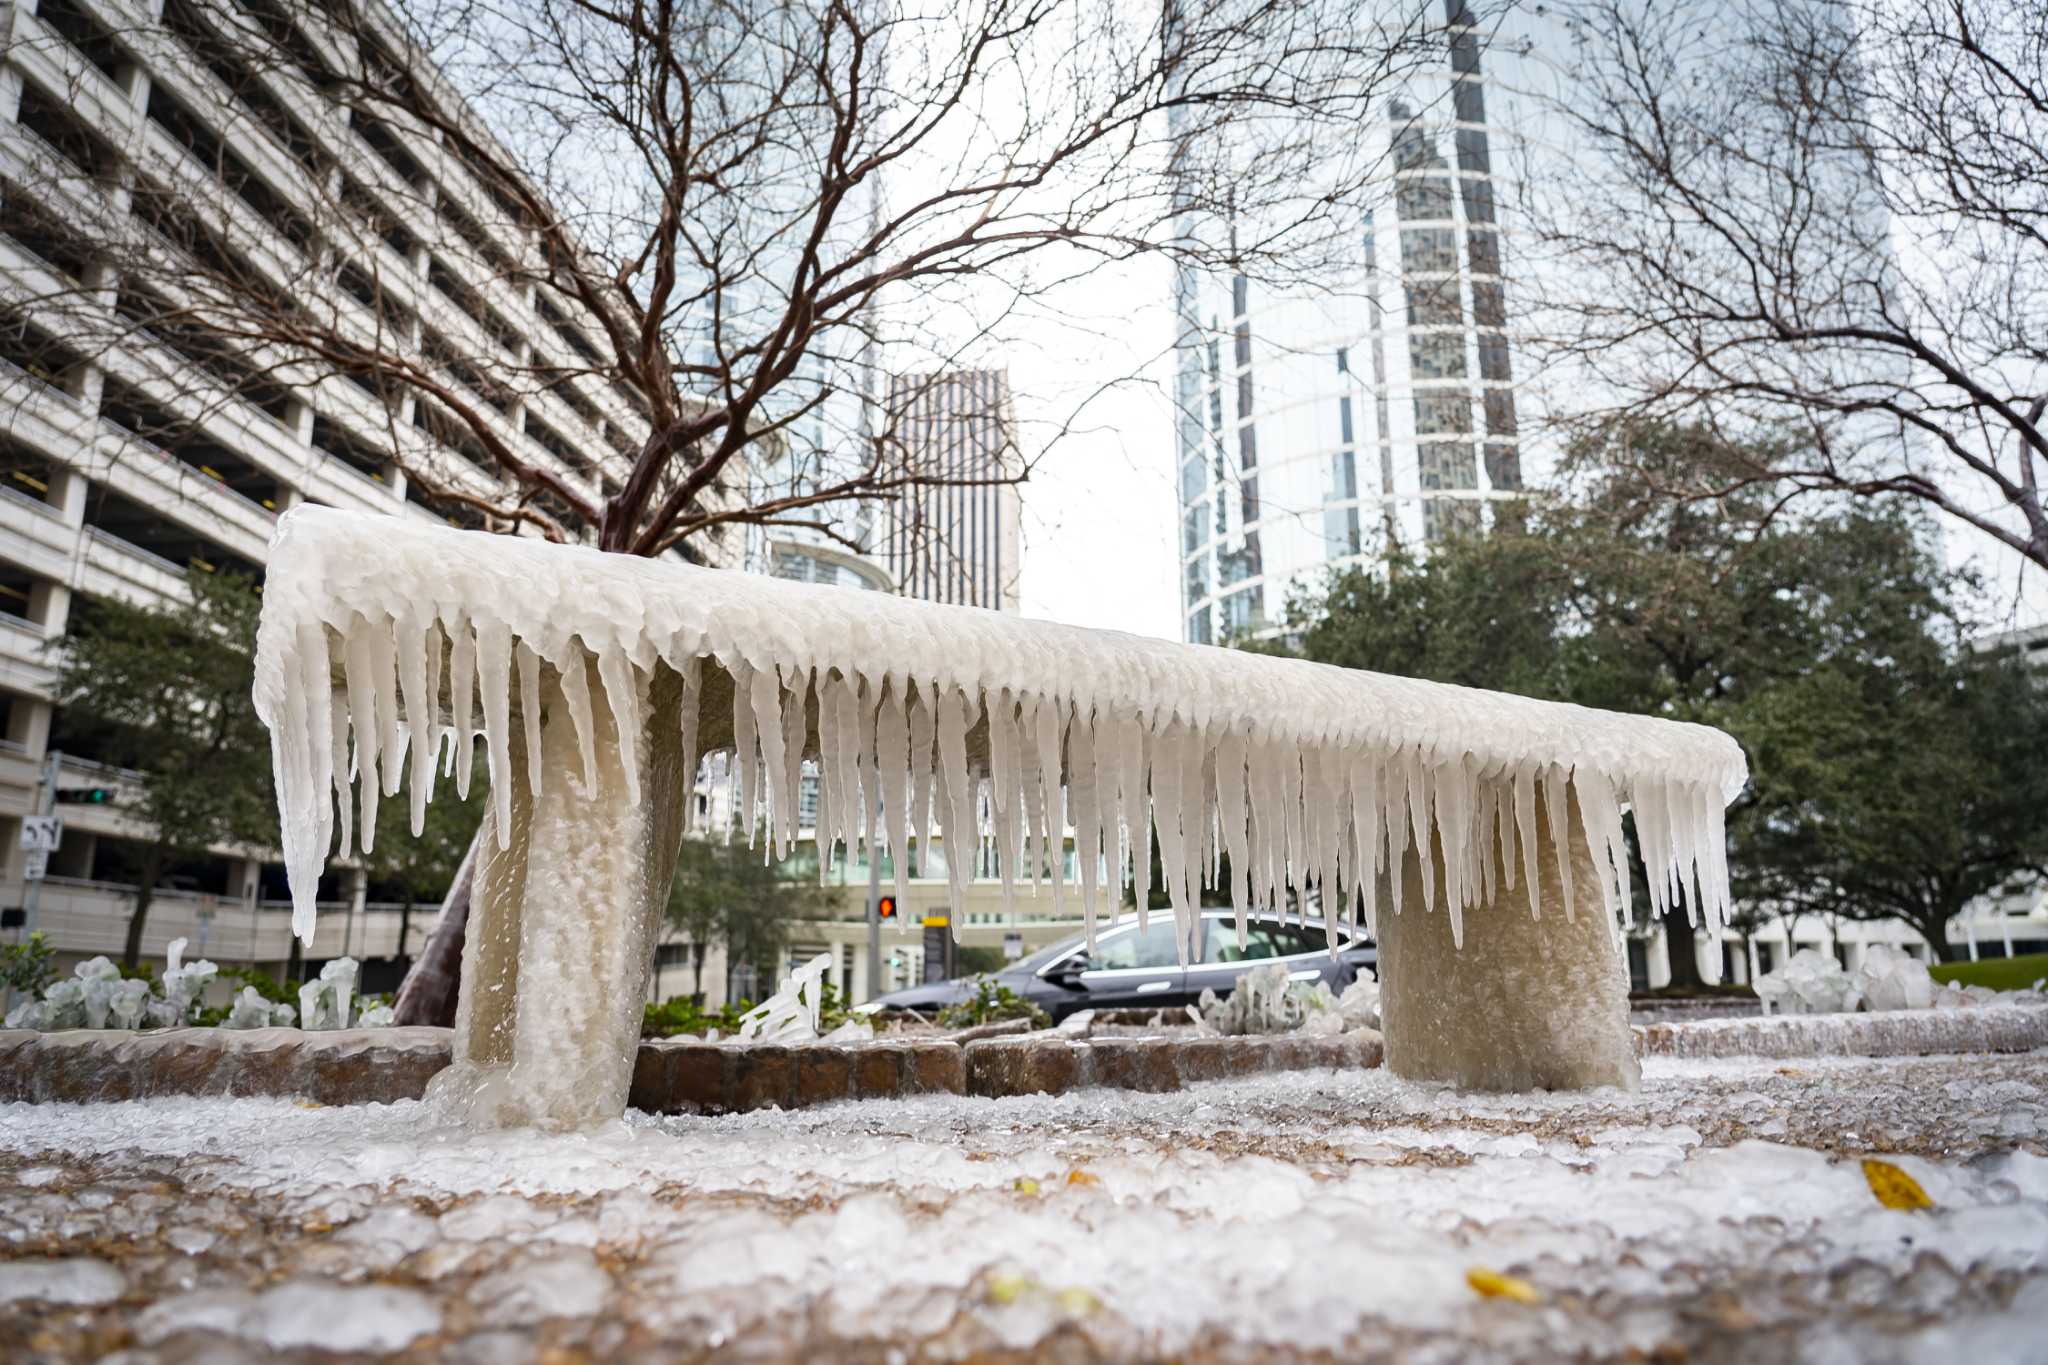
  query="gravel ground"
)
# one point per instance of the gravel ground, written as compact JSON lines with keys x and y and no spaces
{"x":1724,"y":1214}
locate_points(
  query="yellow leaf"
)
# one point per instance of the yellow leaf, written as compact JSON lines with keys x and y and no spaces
{"x":1492,"y":1284}
{"x":1025,"y":1185}
{"x":1007,"y":1289}
{"x":1893,"y":1187}
{"x":1077,"y":1300}
{"x":1083,"y":1178}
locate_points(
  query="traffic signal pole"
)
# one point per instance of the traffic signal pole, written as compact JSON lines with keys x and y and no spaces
{"x":46,"y":804}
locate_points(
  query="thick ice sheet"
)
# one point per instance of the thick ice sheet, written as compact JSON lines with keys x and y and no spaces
{"x":1721,"y":1214}
{"x":1308,"y":776}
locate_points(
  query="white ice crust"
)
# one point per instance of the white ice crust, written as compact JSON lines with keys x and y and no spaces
{"x":1304,"y":775}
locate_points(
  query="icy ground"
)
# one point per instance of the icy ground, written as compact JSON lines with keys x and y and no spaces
{"x":1722,"y":1215}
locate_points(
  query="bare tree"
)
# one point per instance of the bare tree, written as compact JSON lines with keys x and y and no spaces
{"x":1821,"y":217}
{"x":631,"y":273}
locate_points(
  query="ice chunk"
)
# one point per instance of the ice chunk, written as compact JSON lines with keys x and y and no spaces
{"x":78,"y":1280}
{"x":1889,"y":979}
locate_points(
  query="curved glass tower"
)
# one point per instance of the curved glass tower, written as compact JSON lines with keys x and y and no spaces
{"x":1320,"y":427}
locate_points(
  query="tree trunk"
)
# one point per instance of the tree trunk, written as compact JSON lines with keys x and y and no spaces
{"x":1934,"y":929}
{"x":145,"y":891}
{"x":1682,"y":948}
{"x":433,"y":984}
{"x":697,"y":974}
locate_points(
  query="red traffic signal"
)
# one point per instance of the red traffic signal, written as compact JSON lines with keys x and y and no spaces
{"x":885,"y":907}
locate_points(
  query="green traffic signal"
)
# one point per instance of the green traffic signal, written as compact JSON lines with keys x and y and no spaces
{"x":85,"y":796}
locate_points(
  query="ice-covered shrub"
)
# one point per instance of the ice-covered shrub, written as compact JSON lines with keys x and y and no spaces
{"x":324,"y":1003}
{"x":1268,"y":1001}
{"x":992,"y":1003}
{"x":253,"y":1010}
{"x":97,"y":996}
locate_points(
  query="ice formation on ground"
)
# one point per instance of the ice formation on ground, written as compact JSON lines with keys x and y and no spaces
{"x":1813,"y":982}
{"x":1722,"y":1214}
{"x":385,"y":643}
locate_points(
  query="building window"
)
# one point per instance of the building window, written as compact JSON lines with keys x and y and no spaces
{"x":1429,"y":249}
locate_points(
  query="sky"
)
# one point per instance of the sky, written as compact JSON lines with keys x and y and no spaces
{"x":1100,"y":507}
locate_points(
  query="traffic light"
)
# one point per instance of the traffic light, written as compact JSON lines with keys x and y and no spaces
{"x":85,"y":796}
{"x":885,"y":907}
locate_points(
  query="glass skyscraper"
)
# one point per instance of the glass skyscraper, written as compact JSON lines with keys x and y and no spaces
{"x":1321,"y":427}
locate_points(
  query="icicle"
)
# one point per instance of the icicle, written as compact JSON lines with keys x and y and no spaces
{"x":576,"y":692}
{"x":1230,"y":814}
{"x":1555,"y":779}
{"x":1525,"y":832}
{"x":1166,"y":816}
{"x":1393,"y":787}
{"x":957,"y":821}
{"x":1002,"y":765}
{"x":528,"y":665}
{"x":1485,"y":828}
{"x":1368,"y":823}
{"x":1137,"y":820}
{"x":437,"y":646}
{"x":692,"y":673}
{"x":462,"y":694}
{"x":1263,"y":784}
{"x":1600,"y":810}
{"x":1194,"y":792}
{"x":892,"y":776}
{"x":1453,"y":823}
{"x":1294,"y":873}
{"x":923,"y":727}
{"x":384,"y":679}
{"x":846,"y":758}
{"x":359,"y":669}
{"x":1083,"y":806}
{"x":412,"y":684}
{"x":1503,"y":800}
{"x":827,"y":832}
{"x":764,"y":701}
{"x":868,"y":698}
{"x":1033,"y":785}
{"x":1050,"y":723}
{"x":1417,"y":774}
{"x":338,"y":761}
{"x":1320,"y":772}
{"x":493,"y":667}
{"x":745,"y":744}
{"x":1106,"y":744}
{"x":795,"y":725}
{"x":621,"y":684}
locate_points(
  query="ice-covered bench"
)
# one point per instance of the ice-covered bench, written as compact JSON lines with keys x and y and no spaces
{"x":1479,"y":835}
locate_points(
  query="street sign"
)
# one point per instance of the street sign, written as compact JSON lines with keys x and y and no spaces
{"x":42,"y":833}
{"x":34,"y":864}
{"x":1013,"y":944}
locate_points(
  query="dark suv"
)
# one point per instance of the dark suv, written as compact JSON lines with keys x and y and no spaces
{"x":1133,"y":969}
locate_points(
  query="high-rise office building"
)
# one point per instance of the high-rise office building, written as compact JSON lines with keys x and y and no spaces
{"x":958,"y":538}
{"x":127,"y":466}
{"x":1317,"y":427}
